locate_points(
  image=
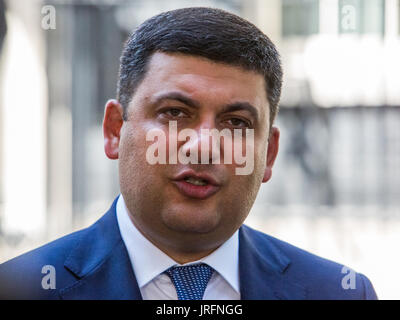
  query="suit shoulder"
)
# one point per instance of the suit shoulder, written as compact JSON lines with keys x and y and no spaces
{"x":51,"y":251}
{"x":322,"y":278}
{"x":294,"y":253}
{"x":21,"y":276}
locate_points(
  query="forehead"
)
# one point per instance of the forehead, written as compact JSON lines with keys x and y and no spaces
{"x":202,"y":79}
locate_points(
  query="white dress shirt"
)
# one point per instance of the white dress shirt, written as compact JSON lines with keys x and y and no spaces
{"x":149,"y":263}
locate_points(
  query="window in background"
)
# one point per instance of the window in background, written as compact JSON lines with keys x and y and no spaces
{"x":300,"y":18}
{"x":362,"y":16}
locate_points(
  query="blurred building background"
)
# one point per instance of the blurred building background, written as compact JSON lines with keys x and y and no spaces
{"x":336,"y":185}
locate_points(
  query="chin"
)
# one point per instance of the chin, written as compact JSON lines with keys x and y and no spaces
{"x":191,"y":221}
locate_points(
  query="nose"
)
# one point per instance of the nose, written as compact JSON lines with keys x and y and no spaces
{"x":200,"y":142}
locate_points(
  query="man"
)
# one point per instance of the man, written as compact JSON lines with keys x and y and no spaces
{"x":176,"y":231}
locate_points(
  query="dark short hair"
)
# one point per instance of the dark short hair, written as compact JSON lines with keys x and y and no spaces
{"x":206,"y":32}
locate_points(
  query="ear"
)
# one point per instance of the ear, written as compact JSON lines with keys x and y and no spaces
{"x":272,"y":152}
{"x":112,"y":123}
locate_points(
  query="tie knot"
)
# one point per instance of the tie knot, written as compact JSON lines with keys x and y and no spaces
{"x":190,"y":281}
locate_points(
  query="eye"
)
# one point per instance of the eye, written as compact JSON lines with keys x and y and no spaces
{"x":238,"y":122}
{"x":174,"y":113}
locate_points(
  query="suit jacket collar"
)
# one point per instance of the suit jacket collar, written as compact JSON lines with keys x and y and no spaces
{"x":262,"y":269}
{"x":101,"y":264}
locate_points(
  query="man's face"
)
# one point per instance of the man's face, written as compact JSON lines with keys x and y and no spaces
{"x":198,"y":94}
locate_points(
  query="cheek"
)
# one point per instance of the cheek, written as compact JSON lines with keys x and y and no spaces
{"x":238,"y":199}
{"x":137,"y":155}
{"x":133,"y":144}
{"x":260,"y":154}
{"x":253,"y":183}
{"x":132,"y":156}
{"x":243,"y":189}
{"x":129,"y":150}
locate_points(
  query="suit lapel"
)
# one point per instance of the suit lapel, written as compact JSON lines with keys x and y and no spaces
{"x":262,"y":269}
{"x":101,"y":264}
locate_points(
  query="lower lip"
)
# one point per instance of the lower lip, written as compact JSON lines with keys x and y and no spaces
{"x":196,"y":192}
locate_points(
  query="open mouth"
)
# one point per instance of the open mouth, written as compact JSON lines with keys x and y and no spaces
{"x":196,"y":185}
{"x":196,"y":181}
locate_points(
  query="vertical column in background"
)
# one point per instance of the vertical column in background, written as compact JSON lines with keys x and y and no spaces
{"x":392,"y":8}
{"x":59,"y":138}
{"x":24,"y":123}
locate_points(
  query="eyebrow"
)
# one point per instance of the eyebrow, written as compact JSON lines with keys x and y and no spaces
{"x":176,"y":95}
{"x":237,"y":106}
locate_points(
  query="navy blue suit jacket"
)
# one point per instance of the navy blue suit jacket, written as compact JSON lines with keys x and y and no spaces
{"x":94,"y":264}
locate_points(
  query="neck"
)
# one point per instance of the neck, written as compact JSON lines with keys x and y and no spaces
{"x":179,"y":254}
{"x":185,"y":257}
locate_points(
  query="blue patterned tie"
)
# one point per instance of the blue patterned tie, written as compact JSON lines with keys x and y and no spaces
{"x":190,"y":281}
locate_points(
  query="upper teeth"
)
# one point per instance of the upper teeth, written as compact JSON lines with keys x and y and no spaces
{"x":195,"y":181}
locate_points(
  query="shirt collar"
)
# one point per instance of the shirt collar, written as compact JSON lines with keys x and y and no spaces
{"x":148,"y":261}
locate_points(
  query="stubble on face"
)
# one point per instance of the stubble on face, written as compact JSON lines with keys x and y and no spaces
{"x":157,"y":208}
